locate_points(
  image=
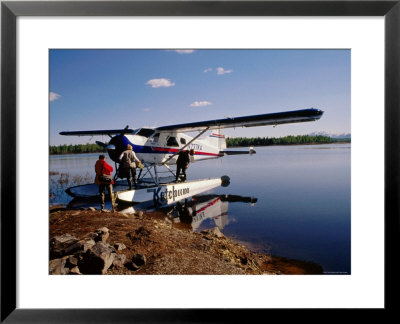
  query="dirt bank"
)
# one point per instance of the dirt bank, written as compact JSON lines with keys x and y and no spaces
{"x":171,"y":248}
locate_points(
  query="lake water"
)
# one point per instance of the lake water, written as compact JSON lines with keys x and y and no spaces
{"x":302,"y":193}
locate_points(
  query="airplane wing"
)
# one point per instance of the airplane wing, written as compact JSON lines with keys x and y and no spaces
{"x":286,"y":117}
{"x":99,"y":132}
{"x":296,"y":116}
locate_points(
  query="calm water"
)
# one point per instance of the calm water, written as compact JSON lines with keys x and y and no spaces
{"x":303,"y":199}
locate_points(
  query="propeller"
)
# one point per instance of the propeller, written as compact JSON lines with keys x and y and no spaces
{"x":107,"y":146}
{"x":116,"y":145}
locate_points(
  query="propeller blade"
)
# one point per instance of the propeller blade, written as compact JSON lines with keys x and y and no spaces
{"x":107,"y":146}
{"x":101,"y":144}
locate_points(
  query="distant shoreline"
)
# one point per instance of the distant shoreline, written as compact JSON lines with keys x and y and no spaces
{"x":296,"y":144}
{"x":77,"y":153}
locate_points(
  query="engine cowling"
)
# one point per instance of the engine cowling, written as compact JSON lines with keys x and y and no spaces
{"x":119,"y":147}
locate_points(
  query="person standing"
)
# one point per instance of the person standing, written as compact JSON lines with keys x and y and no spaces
{"x":102,"y":168}
{"x":127,"y":168}
{"x":182,"y":163}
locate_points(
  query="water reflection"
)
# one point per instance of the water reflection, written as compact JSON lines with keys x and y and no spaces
{"x":197,"y":212}
{"x":203,"y":212}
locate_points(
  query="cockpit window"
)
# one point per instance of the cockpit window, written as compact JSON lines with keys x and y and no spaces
{"x":145,"y":132}
{"x":156,"y":138}
{"x":172,"y":141}
{"x":183,"y":141}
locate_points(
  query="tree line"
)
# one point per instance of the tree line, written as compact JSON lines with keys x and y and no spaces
{"x":77,"y":148}
{"x":286,"y":140}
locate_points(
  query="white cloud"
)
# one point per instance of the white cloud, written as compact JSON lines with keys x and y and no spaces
{"x":146,"y":109}
{"x":157,"y":83}
{"x":207,"y":70}
{"x":221,"y":71}
{"x":187,"y":51}
{"x":200,"y":104}
{"x":54,"y":96}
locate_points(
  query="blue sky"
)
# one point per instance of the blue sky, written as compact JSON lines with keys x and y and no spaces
{"x":108,"y":89}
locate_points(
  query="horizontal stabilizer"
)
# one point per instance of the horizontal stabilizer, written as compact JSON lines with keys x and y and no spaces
{"x":236,"y":152}
{"x":99,"y":132}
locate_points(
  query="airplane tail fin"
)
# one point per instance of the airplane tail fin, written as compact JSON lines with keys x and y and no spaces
{"x":217,"y":139}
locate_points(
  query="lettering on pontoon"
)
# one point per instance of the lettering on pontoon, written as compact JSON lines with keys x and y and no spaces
{"x":173,"y":194}
{"x":156,"y":191}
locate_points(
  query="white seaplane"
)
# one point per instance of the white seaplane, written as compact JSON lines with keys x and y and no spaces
{"x":160,"y":146}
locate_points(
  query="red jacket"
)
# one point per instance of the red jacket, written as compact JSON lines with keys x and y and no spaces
{"x":102,"y":165}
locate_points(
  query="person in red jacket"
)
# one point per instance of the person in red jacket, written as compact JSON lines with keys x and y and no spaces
{"x":102,"y":167}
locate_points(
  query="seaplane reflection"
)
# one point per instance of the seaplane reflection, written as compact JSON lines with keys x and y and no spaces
{"x":198,"y":212}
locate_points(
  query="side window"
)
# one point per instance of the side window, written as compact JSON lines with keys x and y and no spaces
{"x":156,"y":138}
{"x":183,"y":141}
{"x":172,"y":141}
{"x":145,"y":132}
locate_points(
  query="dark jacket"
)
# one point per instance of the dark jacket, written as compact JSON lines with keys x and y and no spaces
{"x":183,"y":158}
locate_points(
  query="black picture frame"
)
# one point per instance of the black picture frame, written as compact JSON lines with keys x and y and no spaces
{"x":10,"y":10}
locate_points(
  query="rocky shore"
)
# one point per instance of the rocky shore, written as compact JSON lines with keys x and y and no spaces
{"x":92,"y":242}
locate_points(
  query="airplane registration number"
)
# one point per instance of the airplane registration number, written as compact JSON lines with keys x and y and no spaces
{"x":196,"y":147}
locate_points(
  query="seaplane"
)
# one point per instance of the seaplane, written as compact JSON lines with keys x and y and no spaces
{"x":159,"y":147}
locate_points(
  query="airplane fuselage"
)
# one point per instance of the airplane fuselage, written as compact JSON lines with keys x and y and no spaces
{"x":157,"y":148}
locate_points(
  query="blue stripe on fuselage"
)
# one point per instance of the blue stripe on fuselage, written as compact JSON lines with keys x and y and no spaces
{"x":140,"y":148}
{"x":137,"y":148}
{"x":149,"y":149}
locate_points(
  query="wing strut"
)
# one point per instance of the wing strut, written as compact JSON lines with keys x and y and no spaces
{"x":186,"y":145}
